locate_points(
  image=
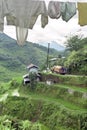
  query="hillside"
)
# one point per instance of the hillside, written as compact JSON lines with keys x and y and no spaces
{"x":15,"y":58}
{"x":54,"y":45}
{"x":56,"y":106}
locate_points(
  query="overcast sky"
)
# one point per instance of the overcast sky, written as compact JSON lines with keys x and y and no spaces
{"x":56,"y":30}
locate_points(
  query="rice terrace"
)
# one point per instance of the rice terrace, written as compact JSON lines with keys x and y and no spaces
{"x":37,"y":98}
{"x":43,"y":73}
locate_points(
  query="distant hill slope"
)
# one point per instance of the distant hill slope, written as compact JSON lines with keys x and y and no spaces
{"x":54,"y":45}
{"x":15,"y":58}
{"x":6,"y":38}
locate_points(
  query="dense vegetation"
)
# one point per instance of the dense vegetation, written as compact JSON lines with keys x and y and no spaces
{"x":77,"y":57}
{"x":47,"y":107}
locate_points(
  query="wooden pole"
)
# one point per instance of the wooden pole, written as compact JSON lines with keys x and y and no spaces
{"x":48,"y":56}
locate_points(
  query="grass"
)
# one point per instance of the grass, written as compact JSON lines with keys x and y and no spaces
{"x":7,"y":75}
{"x":58,"y":101}
{"x":24,"y":91}
{"x":43,"y":104}
{"x":78,"y":89}
{"x":73,"y":80}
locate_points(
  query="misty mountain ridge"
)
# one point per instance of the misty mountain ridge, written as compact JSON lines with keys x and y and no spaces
{"x":53,"y":44}
{"x":6,"y":38}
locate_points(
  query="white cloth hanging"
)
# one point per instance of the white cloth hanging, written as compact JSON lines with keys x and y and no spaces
{"x":22,"y":14}
{"x":3,"y":12}
{"x":21,"y":34}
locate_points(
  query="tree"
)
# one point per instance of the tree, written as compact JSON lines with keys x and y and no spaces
{"x":76,"y":61}
{"x":74,"y":43}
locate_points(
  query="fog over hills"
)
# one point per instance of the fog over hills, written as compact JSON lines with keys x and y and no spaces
{"x":53,"y":44}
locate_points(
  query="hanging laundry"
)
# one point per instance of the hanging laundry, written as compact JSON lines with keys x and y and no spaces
{"x":24,"y":13}
{"x":82,"y":13}
{"x":21,"y":34}
{"x":54,"y":10}
{"x":3,"y":12}
{"x":1,"y":16}
{"x":68,"y":10}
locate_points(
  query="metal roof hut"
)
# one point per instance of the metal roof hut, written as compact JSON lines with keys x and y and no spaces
{"x":32,"y":68}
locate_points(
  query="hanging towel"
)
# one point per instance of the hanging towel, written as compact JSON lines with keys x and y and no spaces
{"x":82,"y":13}
{"x":68,"y":10}
{"x":54,"y":9}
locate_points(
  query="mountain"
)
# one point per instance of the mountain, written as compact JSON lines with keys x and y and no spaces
{"x":14,"y":58}
{"x":54,"y":45}
{"x":6,"y":38}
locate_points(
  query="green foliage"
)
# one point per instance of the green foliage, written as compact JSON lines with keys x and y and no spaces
{"x":11,"y":123}
{"x":48,"y":107}
{"x":4,"y":87}
{"x":25,"y":125}
{"x":64,"y":95}
{"x":76,"y":61}
{"x":74,"y":43}
{"x":50,"y":114}
{"x":73,"y":80}
{"x":14,"y":84}
{"x":5,"y":123}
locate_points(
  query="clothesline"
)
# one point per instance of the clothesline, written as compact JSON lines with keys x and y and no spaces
{"x":66,"y":0}
{"x":24,"y":13}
